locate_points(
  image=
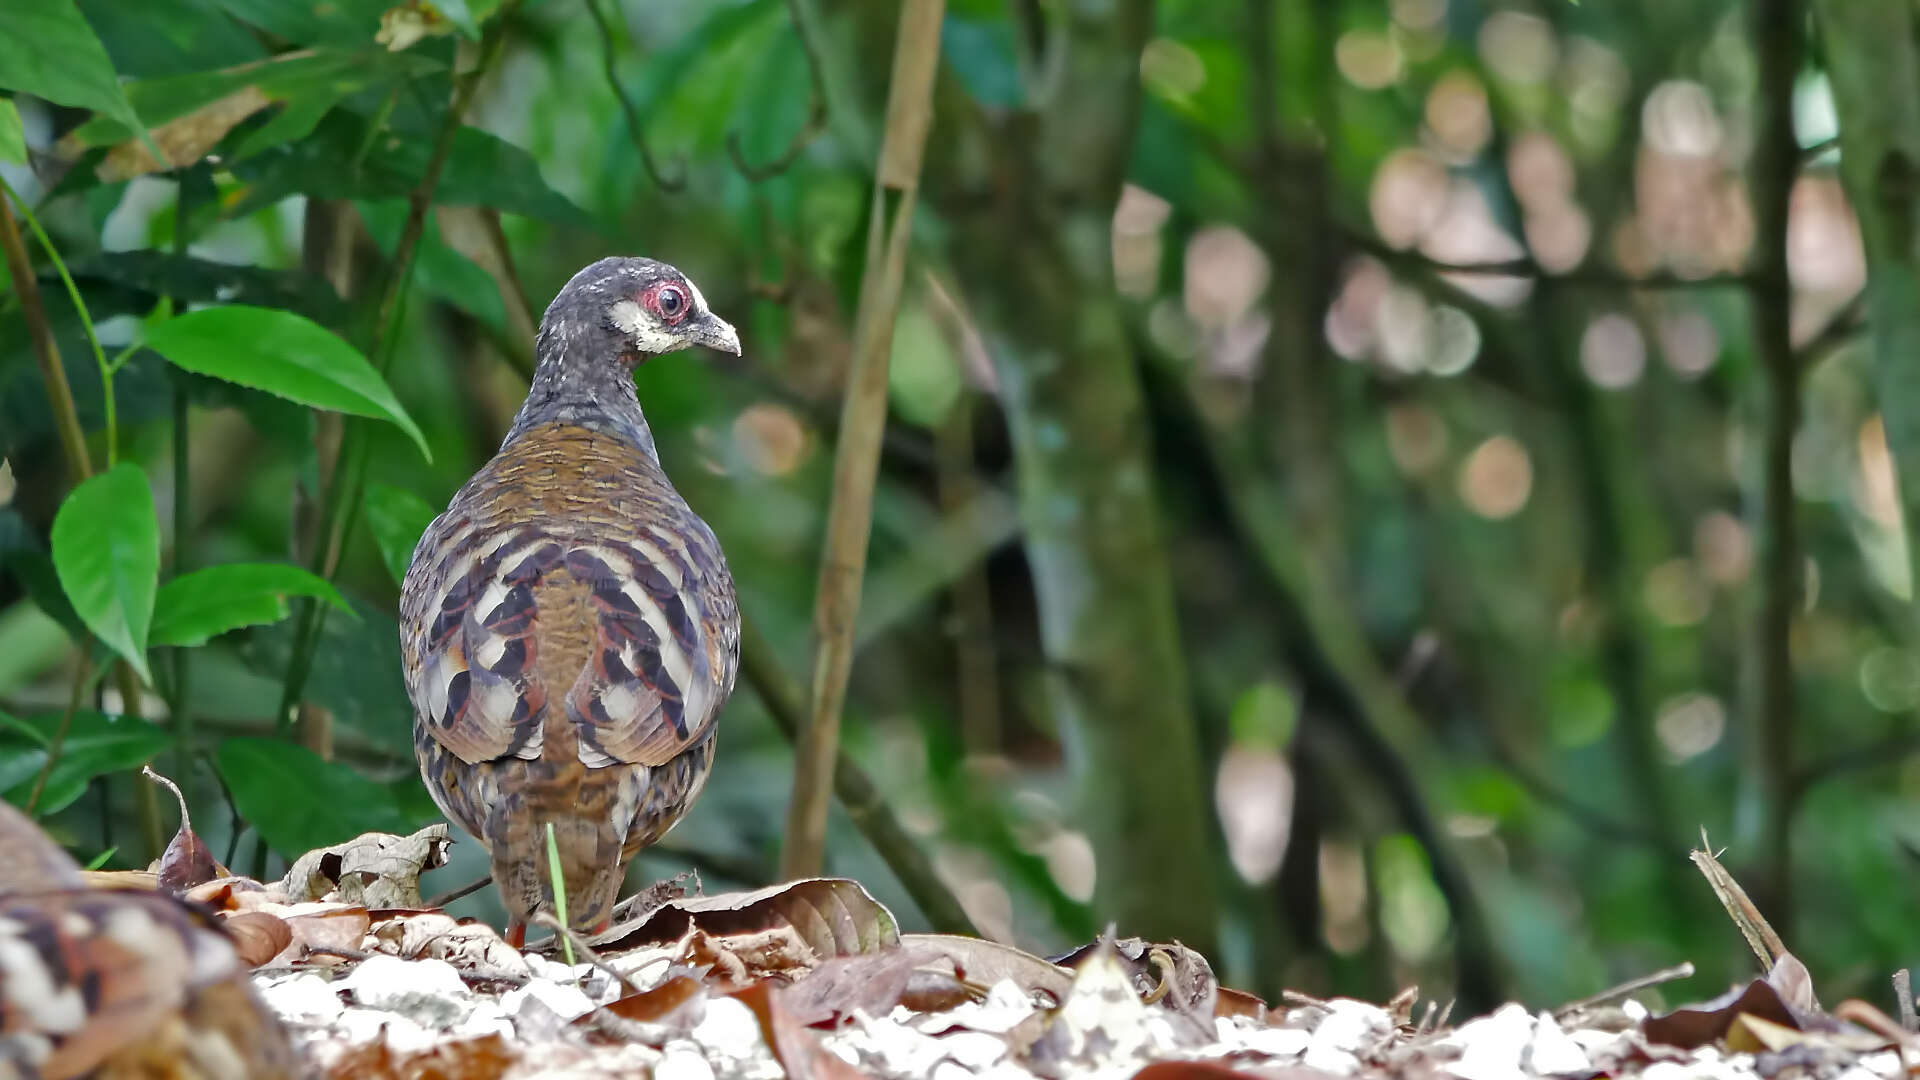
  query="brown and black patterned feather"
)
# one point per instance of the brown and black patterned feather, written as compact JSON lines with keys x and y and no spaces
{"x":118,"y":983}
{"x":568,"y":626}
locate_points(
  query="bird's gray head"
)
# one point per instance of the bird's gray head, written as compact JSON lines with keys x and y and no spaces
{"x":611,"y":317}
{"x":627,"y":310}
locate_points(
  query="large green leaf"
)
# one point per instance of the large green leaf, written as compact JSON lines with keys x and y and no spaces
{"x":397,"y":518}
{"x":195,"y":607}
{"x":300,"y":801}
{"x":481,"y":170}
{"x":96,"y":744}
{"x":48,"y":50}
{"x":281,"y":353}
{"x":336,"y":21}
{"x":356,"y":674}
{"x":148,"y":38}
{"x":106,"y":549}
{"x":13,"y":136}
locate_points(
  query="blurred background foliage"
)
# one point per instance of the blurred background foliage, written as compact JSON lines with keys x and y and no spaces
{"x":1366,"y":481}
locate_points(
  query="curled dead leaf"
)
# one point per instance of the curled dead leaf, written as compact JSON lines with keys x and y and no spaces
{"x":377,"y":870}
{"x":984,"y":962}
{"x":437,"y":936}
{"x":186,"y":862}
{"x":258,"y":936}
{"x":829,"y":916}
{"x":1170,"y":974}
{"x":799,"y":1050}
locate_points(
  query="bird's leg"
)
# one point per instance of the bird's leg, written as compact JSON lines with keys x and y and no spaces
{"x":516,"y":934}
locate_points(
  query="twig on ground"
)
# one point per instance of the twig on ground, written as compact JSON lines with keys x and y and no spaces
{"x":1631,"y":986}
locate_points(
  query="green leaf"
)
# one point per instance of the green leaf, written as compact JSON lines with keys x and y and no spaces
{"x":299,"y":801}
{"x":48,"y":50}
{"x":101,"y":859}
{"x":281,"y":353}
{"x":106,"y":549}
{"x":194,"y":608}
{"x":96,"y":744}
{"x":13,"y":134}
{"x":397,"y":518}
{"x":14,"y":723}
{"x":481,"y":170}
{"x":356,"y":674}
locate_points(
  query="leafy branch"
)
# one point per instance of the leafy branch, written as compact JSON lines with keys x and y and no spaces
{"x":816,"y":109}
{"x":635,"y":130}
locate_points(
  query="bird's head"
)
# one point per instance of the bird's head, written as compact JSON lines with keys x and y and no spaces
{"x":643,"y":307}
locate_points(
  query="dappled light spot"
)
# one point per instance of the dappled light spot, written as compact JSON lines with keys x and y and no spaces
{"x":1595,"y":81}
{"x":1723,"y":548}
{"x":1070,"y":862}
{"x":1416,"y":437}
{"x":1457,"y":116}
{"x":1137,"y":220}
{"x":1558,"y":235}
{"x":1225,"y":274}
{"x":1824,"y":252}
{"x":1517,"y":47}
{"x":1466,"y":233}
{"x":1876,"y":492}
{"x":1407,"y":197}
{"x":1343,"y":897}
{"x":1172,"y":69}
{"x":969,"y":874}
{"x":1413,"y":914}
{"x":7,"y":483}
{"x":1419,"y":14}
{"x":1539,"y":170}
{"x":771,"y":438}
{"x":1497,"y":478}
{"x":1690,"y":724}
{"x":1890,"y":679}
{"x":1453,"y":340}
{"x":1688,"y":342}
{"x":1612,"y":352}
{"x":1369,"y":59}
{"x":1675,"y":594}
{"x":1349,"y":321}
{"x":1401,"y":326}
{"x":1679,"y":119}
{"x":1472,"y":826}
{"x":1253,"y":793}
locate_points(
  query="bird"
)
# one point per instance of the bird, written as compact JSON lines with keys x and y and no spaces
{"x":568,"y":627}
{"x":118,"y":983}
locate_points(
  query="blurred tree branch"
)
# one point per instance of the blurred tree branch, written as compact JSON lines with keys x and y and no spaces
{"x":1778,"y":27}
{"x":863,"y":421}
{"x":636,"y":130}
{"x":816,"y":121}
{"x":1071,"y":393}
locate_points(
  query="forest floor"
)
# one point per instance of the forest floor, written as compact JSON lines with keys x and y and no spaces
{"x":813,"y":980}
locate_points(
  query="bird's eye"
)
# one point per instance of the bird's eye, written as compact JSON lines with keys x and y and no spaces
{"x":672,"y":301}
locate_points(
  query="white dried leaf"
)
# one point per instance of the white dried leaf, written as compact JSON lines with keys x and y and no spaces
{"x":1553,"y":1051}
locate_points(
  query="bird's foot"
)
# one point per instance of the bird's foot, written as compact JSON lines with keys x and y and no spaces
{"x":516,"y":934}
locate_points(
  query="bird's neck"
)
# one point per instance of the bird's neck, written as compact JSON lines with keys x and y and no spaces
{"x":591,"y":391}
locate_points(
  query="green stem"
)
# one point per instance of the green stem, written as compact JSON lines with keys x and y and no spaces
{"x":80,"y":306}
{"x":46,"y":351}
{"x":182,"y":716}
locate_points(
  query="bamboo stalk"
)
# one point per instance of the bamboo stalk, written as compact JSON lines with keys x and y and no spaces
{"x":863,"y":422}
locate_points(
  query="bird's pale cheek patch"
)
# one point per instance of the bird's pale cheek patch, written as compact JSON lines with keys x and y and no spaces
{"x":648,"y":336}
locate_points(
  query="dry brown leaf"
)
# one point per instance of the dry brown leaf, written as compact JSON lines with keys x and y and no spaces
{"x":1171,"y":974}
{"x":377,"y":870}
{"x":484,"y":1058}
{"x":830,"y":916}
{"x":184,"y":140}
{"x":987,"y":962}
{"x":258,"y":936}
{"x":438,"y":936}
{"x":799,"y":1049}
{"x":1240,"y":1003}
{"x":872,"y":983}
{"x":121,"y":879}
{"x":186,"y":862}
{"x":321,"y":926}
{"x":1697,"y":1025}
{"x":663,"y":1004}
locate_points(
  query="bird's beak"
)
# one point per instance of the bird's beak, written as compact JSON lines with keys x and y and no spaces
{"x":716,"y":333}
